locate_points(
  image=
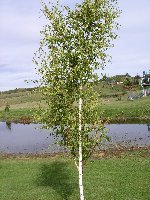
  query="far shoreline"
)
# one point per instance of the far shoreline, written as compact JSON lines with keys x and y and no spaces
{"x":113,"y":120}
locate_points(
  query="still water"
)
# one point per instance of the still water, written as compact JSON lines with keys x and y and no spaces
{"x":19,"y":138}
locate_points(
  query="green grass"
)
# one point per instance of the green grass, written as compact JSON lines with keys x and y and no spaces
{"x":125,"y":109}
{"x":17,"y":115}
{"x":124,"y":178}
{"x":138,"y":110}
{"x":23,"y":99}
{"x":22,"y":104}
{"x":106,"y":90}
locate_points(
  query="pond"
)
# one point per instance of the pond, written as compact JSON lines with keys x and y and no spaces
{"x":19,"y":138}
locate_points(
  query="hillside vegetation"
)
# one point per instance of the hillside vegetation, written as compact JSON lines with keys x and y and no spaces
{"x":113,"y":103}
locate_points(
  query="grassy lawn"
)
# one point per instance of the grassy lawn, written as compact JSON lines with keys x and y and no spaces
{"x":138,"y":110}
{"x":124,"y":177}
{"x":117,"y":111}
{"x":23,"y":103}
{"x":114,"y":109}
{"x":17,"y":115}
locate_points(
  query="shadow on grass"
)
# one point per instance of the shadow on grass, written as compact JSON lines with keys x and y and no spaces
{"x":59,"y":177}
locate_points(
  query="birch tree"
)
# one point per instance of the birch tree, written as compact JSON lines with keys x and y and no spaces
{"x":74,"y":44}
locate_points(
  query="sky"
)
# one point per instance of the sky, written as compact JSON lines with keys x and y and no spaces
{"x":20,"y":25}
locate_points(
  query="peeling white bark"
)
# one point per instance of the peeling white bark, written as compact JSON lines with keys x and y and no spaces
{"x":80,"y":168}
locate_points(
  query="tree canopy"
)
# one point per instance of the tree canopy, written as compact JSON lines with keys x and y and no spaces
{"x":74,"y":43}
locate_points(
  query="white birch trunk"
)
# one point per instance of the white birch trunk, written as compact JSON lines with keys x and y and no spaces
{"x":80,"y":168}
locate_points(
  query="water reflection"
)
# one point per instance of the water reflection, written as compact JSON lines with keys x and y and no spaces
{"x":148,"y":125}
{"x":29,"y":138}
{"x":32,"y":139}
{"x":8,"y":125}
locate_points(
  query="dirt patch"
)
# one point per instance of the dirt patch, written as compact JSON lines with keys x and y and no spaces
{"x":115,"y":152}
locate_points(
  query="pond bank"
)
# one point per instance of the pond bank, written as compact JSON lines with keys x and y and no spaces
{"x":130,"y":120}
{"x":112,"y":120}
{"x":108,"y":153}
